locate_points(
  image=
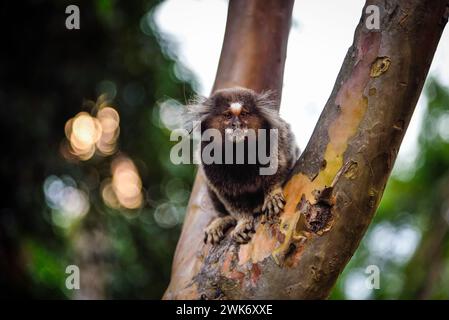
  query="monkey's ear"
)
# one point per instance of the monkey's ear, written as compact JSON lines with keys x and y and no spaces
{"x":267,"y":100}
{"x":195,"y":112}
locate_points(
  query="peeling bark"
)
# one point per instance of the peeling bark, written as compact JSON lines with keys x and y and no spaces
{"x":338,"y":182}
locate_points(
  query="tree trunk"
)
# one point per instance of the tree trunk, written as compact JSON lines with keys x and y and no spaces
{"x":338,"y":182}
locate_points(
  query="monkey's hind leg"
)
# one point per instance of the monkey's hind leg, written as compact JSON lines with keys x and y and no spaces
{"x":243,"y":229}
{"x":217,"y":228}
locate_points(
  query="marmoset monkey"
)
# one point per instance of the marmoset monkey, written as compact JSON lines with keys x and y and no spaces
{"x":238,"y":190}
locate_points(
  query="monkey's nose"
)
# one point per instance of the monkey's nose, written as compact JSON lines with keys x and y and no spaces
{"x":236,"y":123}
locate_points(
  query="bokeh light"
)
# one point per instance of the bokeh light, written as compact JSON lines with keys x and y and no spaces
{"x":68,"y":203}
{"x":355,"y":286}
{"x":168,"y":215}
{"x":170,"y":114}
{"x":97,"y":133}
{"x":110,"y":121}
{"x":125,"y":187}
{"x":87,"y":134}
{"x":108,"y":194}
{"x":389,"y":242}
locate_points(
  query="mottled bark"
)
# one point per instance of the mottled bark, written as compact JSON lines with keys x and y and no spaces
{"x":339,"y":180}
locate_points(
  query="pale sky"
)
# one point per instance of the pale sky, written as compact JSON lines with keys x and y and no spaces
{"x":321,"y":35}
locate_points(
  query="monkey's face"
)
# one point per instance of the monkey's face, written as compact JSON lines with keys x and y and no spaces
{"x":235,"y":114}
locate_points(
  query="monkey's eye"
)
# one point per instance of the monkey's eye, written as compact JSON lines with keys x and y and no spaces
{"x":228,"y":115}
{"x":244,"y":113}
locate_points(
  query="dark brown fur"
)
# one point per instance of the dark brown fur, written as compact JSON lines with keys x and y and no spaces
{"x":238,"y":191}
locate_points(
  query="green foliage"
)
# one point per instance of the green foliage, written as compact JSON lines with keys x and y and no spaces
{"x":50,"y":74}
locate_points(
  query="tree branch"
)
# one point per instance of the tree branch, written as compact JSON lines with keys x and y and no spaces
{"x":339,"y":179}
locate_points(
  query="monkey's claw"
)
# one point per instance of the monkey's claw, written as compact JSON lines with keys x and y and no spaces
{"x":215,"y":232}
{"x":242,"y":232}
{"x":273,"y":205}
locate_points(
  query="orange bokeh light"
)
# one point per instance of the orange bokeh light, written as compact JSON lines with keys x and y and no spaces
{"x":126,"y":184}
{"x":87,"y":134}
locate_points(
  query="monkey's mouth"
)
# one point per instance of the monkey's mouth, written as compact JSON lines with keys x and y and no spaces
{"x":236,"y":135}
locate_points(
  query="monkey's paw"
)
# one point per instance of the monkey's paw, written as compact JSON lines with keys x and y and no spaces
{"x":217,"y":228}
{"x":242,"y":231}
{"x":273,"y":205}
